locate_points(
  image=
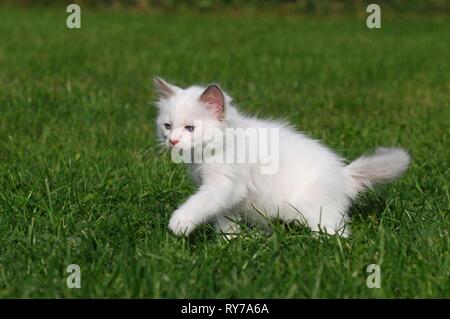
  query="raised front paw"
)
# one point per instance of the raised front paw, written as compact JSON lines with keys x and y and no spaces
{"x":182,"y":222}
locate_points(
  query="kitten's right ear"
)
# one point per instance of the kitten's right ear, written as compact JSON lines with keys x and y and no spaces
{"x":164,"y":89}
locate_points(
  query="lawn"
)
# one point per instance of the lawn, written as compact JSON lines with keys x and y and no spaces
{"x":81,"y":181}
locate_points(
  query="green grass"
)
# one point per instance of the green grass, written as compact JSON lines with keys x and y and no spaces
{"x":80,"y":183}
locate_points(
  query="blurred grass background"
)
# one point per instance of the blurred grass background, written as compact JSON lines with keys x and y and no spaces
{"x":279,"y":6}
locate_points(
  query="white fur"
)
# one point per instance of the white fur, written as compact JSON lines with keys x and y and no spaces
{"x":312,"y":186}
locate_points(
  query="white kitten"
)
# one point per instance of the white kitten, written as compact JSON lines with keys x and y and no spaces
{"x":312,"y":185}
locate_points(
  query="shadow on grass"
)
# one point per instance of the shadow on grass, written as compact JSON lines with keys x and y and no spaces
{"x":369,"y":203}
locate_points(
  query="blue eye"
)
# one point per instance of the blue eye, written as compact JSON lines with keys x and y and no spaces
{"x":190,"y":128}
{"x":167,"y":126}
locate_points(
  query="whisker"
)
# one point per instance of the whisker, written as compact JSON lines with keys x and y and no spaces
{"x":146,"y":150}
{"x":160,"y":153}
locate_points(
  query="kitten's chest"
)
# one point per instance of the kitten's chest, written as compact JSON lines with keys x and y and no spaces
{"x":195,"y":173}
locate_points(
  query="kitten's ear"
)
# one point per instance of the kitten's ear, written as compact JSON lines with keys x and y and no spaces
{"x":165,"y":90}
{"x":215,"y":99}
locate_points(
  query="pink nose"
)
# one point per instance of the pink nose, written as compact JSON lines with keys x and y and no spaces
{"x":173,"y":141}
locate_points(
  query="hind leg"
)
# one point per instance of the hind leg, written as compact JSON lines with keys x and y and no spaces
{"x":327,"y":219}
{"x":331,"y":229}
{"x":330,"y":222}
{"x":228,"y":226}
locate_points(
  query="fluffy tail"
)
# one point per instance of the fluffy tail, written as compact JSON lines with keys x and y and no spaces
{"x":385,"y":165}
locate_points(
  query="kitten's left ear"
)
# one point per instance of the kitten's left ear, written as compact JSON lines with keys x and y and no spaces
{"x":215,"y":99}
{"x":165,"y":90}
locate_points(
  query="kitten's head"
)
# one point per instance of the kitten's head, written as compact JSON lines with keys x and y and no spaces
{"x":184,"y":114}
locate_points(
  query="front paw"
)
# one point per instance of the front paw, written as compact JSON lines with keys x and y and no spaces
{"x":182,"y":223}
